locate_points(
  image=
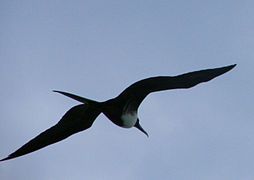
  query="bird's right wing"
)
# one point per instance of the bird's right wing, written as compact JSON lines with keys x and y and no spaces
{"x":77,"y":119}
{"x":142,"y":88}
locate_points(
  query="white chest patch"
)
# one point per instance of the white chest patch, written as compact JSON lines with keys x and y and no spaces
{"x":129,"y":119}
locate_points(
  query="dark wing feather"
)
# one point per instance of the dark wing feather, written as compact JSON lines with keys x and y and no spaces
{"x":77,"y":119}
{"x":142,"y":88}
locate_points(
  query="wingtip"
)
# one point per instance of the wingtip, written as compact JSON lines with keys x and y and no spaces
{"x":4,"y":159}
{"x":227,"y":68}
{"x":233,"y":65}
{"x":56,"y":91}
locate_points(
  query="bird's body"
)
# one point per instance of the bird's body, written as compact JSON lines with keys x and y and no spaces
{"x":120,"y":114}
{"x":121,"y":110}
{"x":129,"y":119}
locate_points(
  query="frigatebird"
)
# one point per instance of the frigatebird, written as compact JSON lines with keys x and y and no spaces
{"x":121,"y":110}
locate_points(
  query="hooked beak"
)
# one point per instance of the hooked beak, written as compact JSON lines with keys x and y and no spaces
{"x":137,"y":125}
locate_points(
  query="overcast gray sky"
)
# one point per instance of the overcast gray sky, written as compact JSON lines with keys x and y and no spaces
{"x":97,"y":48}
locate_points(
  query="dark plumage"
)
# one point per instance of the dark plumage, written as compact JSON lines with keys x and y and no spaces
{"x":121,"y":110}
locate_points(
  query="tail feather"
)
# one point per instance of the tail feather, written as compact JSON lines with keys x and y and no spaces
{"x":76,"y":97}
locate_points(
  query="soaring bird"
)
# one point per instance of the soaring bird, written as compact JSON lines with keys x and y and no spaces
{"x":121,"y":110}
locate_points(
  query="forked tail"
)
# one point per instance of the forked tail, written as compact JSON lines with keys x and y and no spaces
{"x":77,"y":98}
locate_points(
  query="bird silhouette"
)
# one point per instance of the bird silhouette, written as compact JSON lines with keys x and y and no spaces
{"x":121,"y":110}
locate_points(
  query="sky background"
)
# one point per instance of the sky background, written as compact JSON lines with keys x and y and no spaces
{"x":97,"y":48}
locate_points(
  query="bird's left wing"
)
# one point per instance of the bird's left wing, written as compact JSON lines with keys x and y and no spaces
{"x":77,"y":119}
